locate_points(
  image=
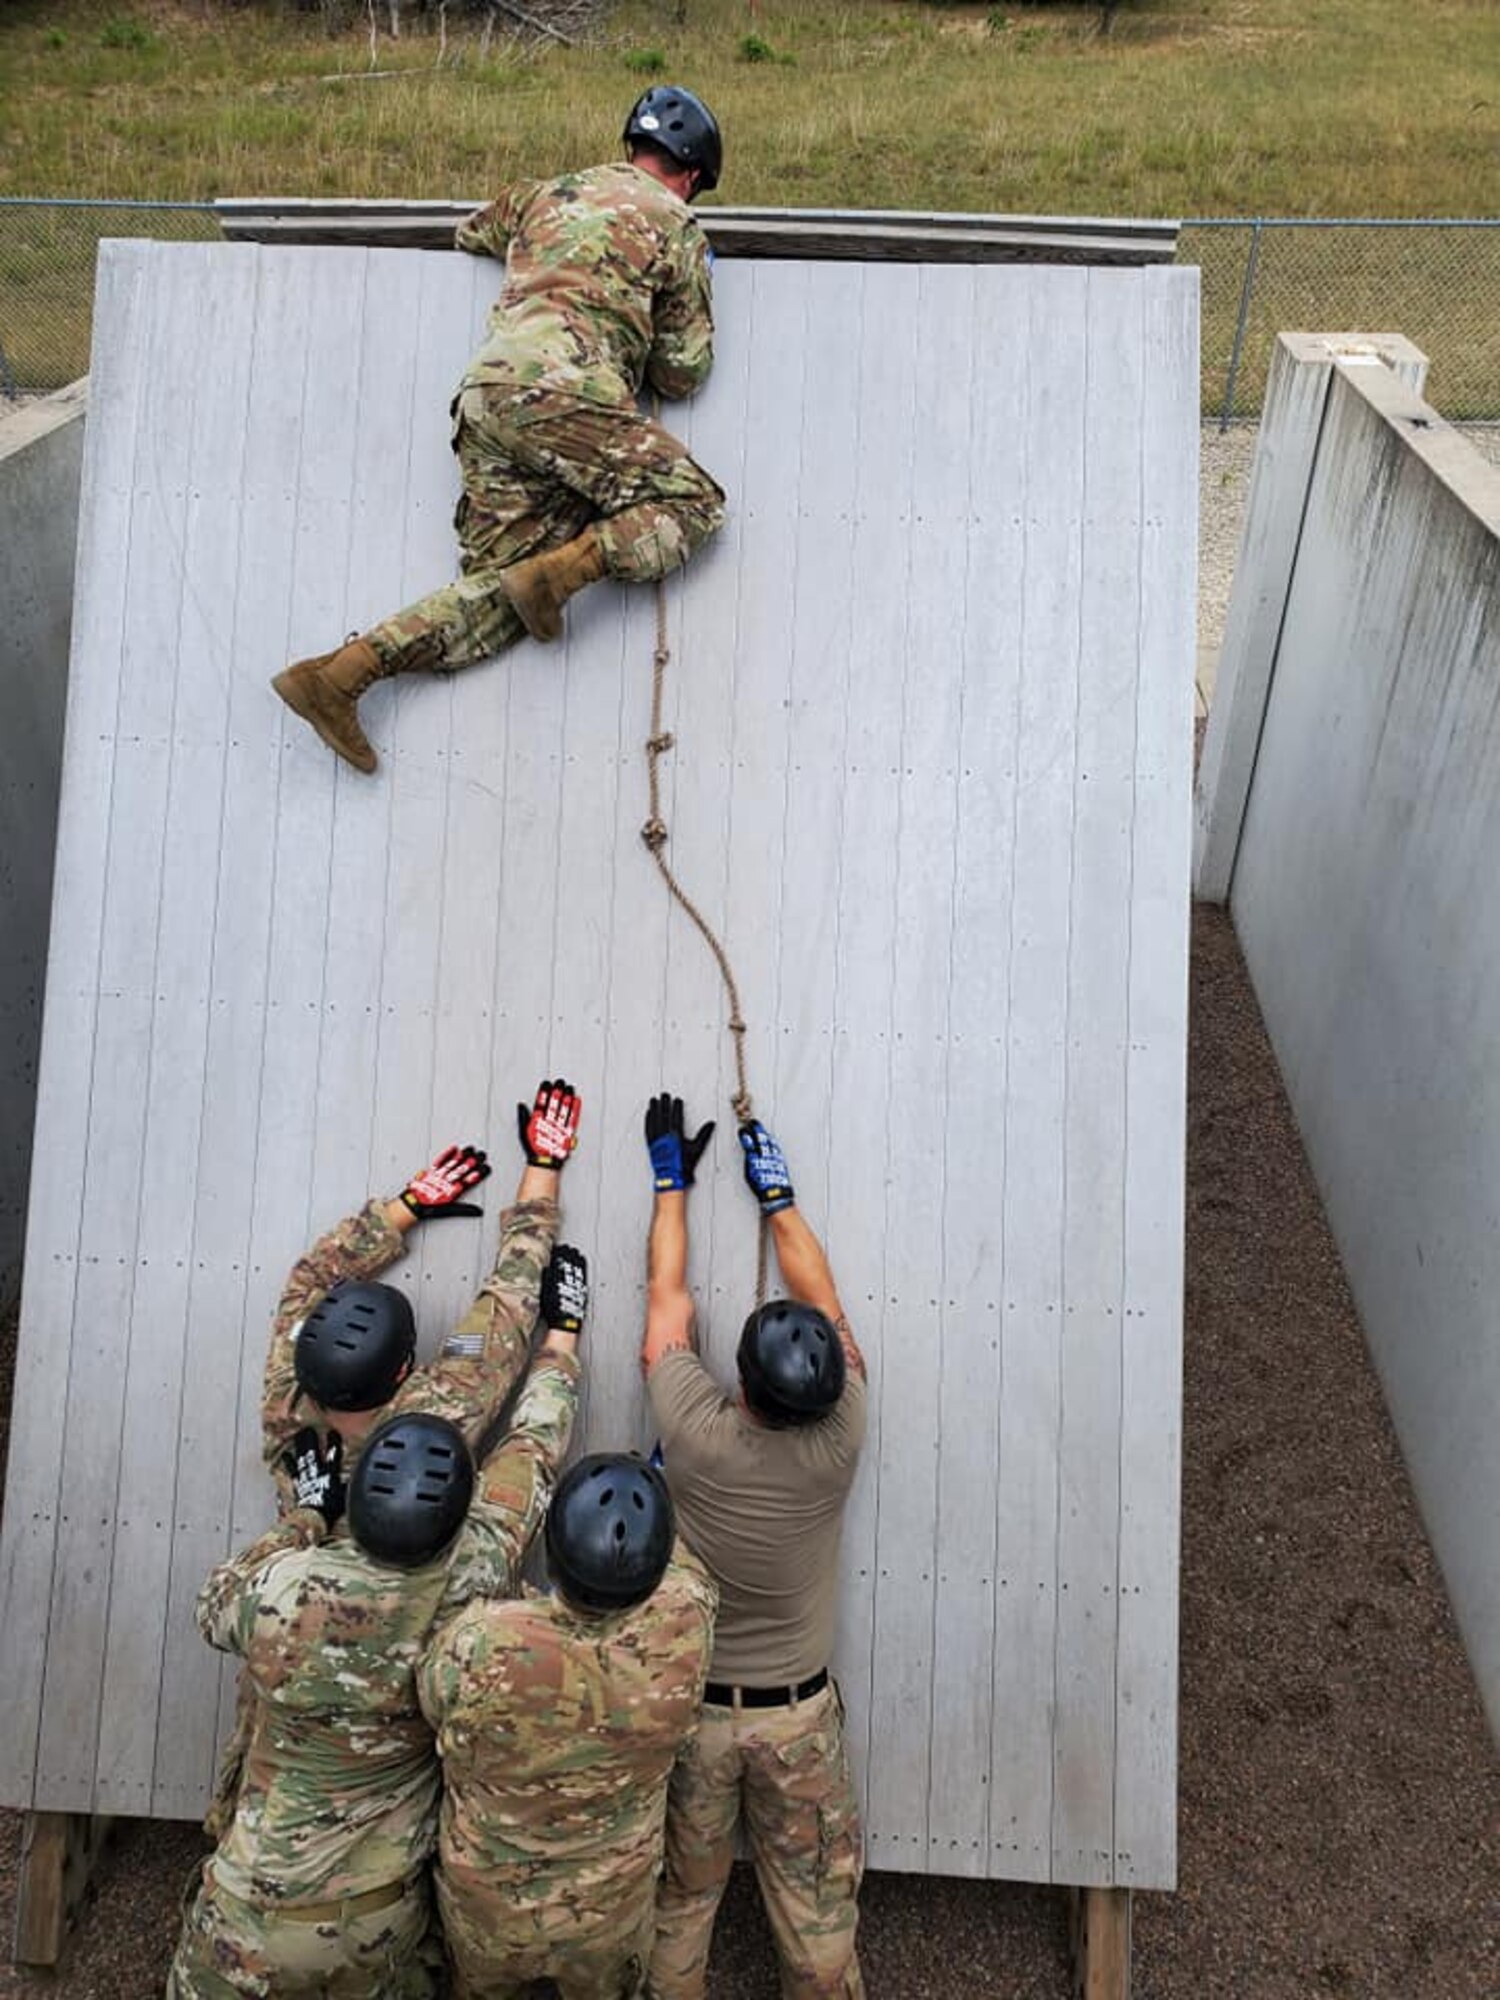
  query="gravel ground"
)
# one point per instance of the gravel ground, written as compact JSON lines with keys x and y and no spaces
{"x":1340,"y":1793}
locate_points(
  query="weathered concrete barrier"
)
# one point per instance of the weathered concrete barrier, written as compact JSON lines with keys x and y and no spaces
{"x":41,"y":450}
{"x":1349,"y":810}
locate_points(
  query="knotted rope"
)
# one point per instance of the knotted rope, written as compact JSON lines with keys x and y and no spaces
{"x":654,"y":833}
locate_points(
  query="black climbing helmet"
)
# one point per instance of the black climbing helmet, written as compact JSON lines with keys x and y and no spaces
{"x":355,"y":1346}
{"x":680,"y":125}
{"x":410,"y":1490}
{"x":610,"y":1530}
{"x":791,"y":1362}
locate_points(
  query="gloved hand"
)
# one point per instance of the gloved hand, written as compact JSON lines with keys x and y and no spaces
{"x":549,"y":1130}
{"x":565,"y":1289}
{"x":766,"y":1173}
{"x":436,"y":1190}
{"x":674,"y":1156}
{"x":317,"y":1474}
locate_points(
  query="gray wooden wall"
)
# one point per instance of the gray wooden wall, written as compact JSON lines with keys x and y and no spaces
{"x":41,"y":451}
{"x":1363,"y":891}
{"x":932,"y":697}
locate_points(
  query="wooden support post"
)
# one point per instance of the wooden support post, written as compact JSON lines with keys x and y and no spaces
{"x":58,"y":1853}
{"x":1099,"y":1931}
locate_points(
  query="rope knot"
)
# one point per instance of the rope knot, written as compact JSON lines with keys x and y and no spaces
{"x":742,"y":1106}
{"x":654,"y":833}
{"x":661,"y":656}
{"x":657,"y":744}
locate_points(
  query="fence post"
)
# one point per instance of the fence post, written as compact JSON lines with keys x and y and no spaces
{"x":1239,"y":332}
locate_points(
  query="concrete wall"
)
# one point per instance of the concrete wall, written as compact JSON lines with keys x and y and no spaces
{"x":41,"y":451}
{"x":1363,"y":891}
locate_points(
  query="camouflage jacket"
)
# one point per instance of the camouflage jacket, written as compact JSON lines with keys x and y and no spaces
{"x":606,"y":285}
{"x":557,"y":1733}
{"x":338,"y":1793}
{"x":480,"y":1361}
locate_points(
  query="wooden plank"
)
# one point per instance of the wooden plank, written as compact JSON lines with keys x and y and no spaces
{"x":920,"y":916}
{"x":863,"y":989}
{"x":1099,"y":1925}
{"x":1027,"y":1497}
{"x":65,"y":1080}
{"x":308,"y":520}
{"x":220,"y":1426}
{"x":115,"y":1190}
{"x":195,"y":562}
{"x":58,"y":1853}
{"x":1145,"y":1813}
{"x":974,"y":1255}
{"x":877,"y":234}
{"x":409,"y":898}
{"x":755,"y":846}
{"x":1094,"y":1088}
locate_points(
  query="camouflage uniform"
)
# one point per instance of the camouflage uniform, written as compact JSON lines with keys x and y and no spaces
{"x":318,"y":1885}
{"x":606,"y":286}
{"x":557,"y":1732}
{"x":468,"y":1383}
{"x":789,"y":1770}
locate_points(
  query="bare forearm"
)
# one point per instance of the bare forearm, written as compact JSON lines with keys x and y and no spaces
{"x":667,"y":1247}
{"x":806,"y":1273}
{"x":669,"y":1304}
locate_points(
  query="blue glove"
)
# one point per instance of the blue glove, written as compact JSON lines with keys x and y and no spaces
{"x":674,"y":1156}
{"x":766,"y":1173}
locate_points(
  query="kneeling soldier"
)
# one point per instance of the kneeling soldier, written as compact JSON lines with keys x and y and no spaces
{"x":557,"y":1718}
{"x":318,"y":1886}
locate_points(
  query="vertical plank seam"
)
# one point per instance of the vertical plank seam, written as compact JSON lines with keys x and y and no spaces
{"x":1064,"y":1289}
{"x":962,"y":655}
{"x":890,"y":1061}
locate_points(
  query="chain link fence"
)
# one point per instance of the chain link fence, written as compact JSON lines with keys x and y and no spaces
{"x":1436,"y":281}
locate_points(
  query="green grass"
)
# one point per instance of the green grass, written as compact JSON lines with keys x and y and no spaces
{"x":1224,"y":107}
{"x":1219,"y":107}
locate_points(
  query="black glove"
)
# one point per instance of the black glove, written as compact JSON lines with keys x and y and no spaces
{"x":549,"y":1129}
{"x":565,"y":1290}
{"x":436,"y":1190}
{"x":674,"y":1157}
{"x":766,"y":1173}
{"x":316,"y":1472}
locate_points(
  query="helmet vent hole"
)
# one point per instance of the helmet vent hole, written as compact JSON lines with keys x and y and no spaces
{"x":640,"y":1505}
{"x":619,"y":1531}
{"x":606,"y":1496}
{"x":348,"y":1346}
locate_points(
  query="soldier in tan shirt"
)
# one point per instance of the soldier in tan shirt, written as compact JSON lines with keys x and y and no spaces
{"x":759,"y":1480}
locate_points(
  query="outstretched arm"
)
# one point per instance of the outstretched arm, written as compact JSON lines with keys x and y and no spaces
{"x":805,"y":1270}
{"x":674,"y":1158}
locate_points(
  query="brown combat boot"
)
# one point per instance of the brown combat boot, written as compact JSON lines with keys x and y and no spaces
{"x":538,"y":588}
{"x":324,"y":691}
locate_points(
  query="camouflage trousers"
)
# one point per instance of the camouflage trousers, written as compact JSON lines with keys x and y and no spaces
{"x":537,"y":468}
{"x":788,"y":1771}
{"x":500,"y":1944}
{"x":228,"y":1948}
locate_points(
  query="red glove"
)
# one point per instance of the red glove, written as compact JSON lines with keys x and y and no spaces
{"x":549,"y":1130}
{"x":436,"y":1190}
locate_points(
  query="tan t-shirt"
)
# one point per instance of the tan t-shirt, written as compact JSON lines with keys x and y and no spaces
{"x":763,"y":1508}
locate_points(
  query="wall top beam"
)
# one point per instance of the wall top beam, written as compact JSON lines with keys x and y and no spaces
{"x":879,"y":235}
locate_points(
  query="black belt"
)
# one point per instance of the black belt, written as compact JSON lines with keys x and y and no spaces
{"x":720,"y":1694}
